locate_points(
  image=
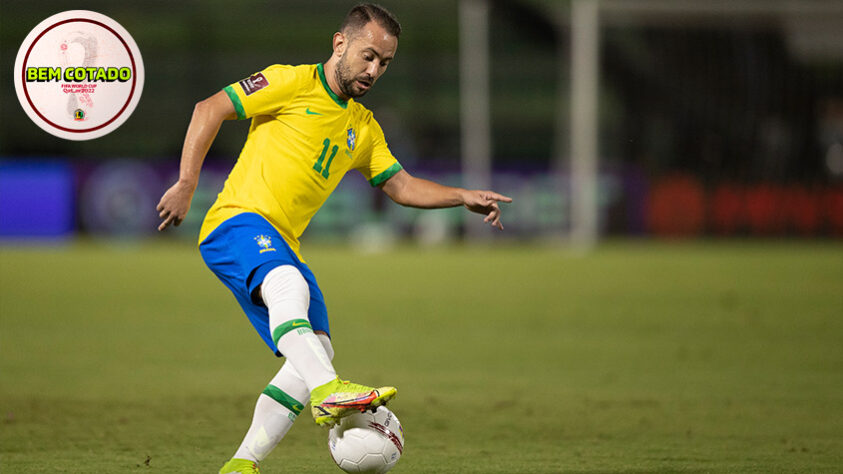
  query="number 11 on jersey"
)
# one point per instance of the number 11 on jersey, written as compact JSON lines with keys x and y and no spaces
{"x":318,"y":165}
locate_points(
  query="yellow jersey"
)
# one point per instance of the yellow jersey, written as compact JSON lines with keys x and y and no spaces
{"x":302,"y":141}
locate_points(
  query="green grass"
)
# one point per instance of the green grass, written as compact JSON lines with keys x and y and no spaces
{"x":704,"y":357}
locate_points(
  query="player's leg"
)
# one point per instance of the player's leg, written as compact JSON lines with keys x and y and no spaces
{"x":272,"y":284}
{"x":286,"y":293}
{"x":276,"y":410}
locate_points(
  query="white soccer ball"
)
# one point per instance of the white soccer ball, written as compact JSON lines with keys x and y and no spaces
{"x":367,"y":442}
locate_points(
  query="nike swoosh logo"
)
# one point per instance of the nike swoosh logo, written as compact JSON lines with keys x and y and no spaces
{"x":310,"y":112}
{"x":295,"y":325}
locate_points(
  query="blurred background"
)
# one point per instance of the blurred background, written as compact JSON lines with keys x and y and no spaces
{"x":715,"y":118}
{"x":629,"y":123}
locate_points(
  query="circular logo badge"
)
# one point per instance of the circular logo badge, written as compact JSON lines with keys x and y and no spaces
{"x":79,"y":75}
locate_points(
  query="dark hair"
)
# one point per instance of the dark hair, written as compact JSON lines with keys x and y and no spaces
{"x":362,"y":14}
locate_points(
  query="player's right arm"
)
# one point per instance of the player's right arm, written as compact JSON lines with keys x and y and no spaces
{"x":208,"y":115}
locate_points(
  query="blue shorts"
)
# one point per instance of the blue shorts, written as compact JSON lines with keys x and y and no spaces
{"x":240,"y":252}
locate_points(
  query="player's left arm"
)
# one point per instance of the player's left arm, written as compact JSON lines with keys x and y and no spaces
{"x":408,"y":190}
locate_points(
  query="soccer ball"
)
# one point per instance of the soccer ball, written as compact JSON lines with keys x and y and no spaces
{"x":367,"y":442}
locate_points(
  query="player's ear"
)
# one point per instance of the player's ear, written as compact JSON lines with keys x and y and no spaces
{"x":340,"y":43}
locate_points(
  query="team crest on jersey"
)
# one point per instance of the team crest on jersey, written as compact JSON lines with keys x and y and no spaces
{"x":265,"y":243}
{"x":351,"y":138}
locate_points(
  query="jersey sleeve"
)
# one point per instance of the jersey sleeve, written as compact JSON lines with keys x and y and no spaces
{"x":263,"y":93}
{"x":377,"y":164}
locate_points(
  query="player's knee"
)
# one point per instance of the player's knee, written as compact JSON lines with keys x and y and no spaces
{"x":326,"y":343}
{"x":285,"y":285}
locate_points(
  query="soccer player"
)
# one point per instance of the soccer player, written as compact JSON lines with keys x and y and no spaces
{"x":307,"y":131}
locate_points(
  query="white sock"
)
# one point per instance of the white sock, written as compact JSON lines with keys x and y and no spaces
{"x":286,"y":295}
{"x":269,"y":424}
{"x":276,"y":410}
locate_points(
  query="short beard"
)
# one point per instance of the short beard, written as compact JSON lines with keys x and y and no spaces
{"x":345,"y":82}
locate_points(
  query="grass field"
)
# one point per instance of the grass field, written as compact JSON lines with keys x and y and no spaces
{"x":641,"y":357}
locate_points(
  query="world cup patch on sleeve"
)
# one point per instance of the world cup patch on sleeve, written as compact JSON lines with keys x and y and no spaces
{"x":253,"y":83}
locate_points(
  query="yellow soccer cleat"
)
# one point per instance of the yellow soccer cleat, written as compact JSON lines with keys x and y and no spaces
{"x":339,"y":398}
{"x":240,"y":466}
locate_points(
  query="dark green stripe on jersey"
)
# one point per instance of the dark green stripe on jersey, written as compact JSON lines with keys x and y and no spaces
{"x":238,"y":107}
{"x":385,"y":175}
{"x":340,"y":102}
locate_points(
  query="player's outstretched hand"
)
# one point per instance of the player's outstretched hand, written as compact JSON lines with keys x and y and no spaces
{"x":486,"y":202}
{"x":174,"y":204}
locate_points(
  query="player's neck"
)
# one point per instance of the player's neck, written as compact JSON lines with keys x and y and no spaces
{"x":330,"y":67}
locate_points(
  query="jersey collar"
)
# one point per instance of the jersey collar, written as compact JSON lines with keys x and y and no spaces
{"x":340,"y":102}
